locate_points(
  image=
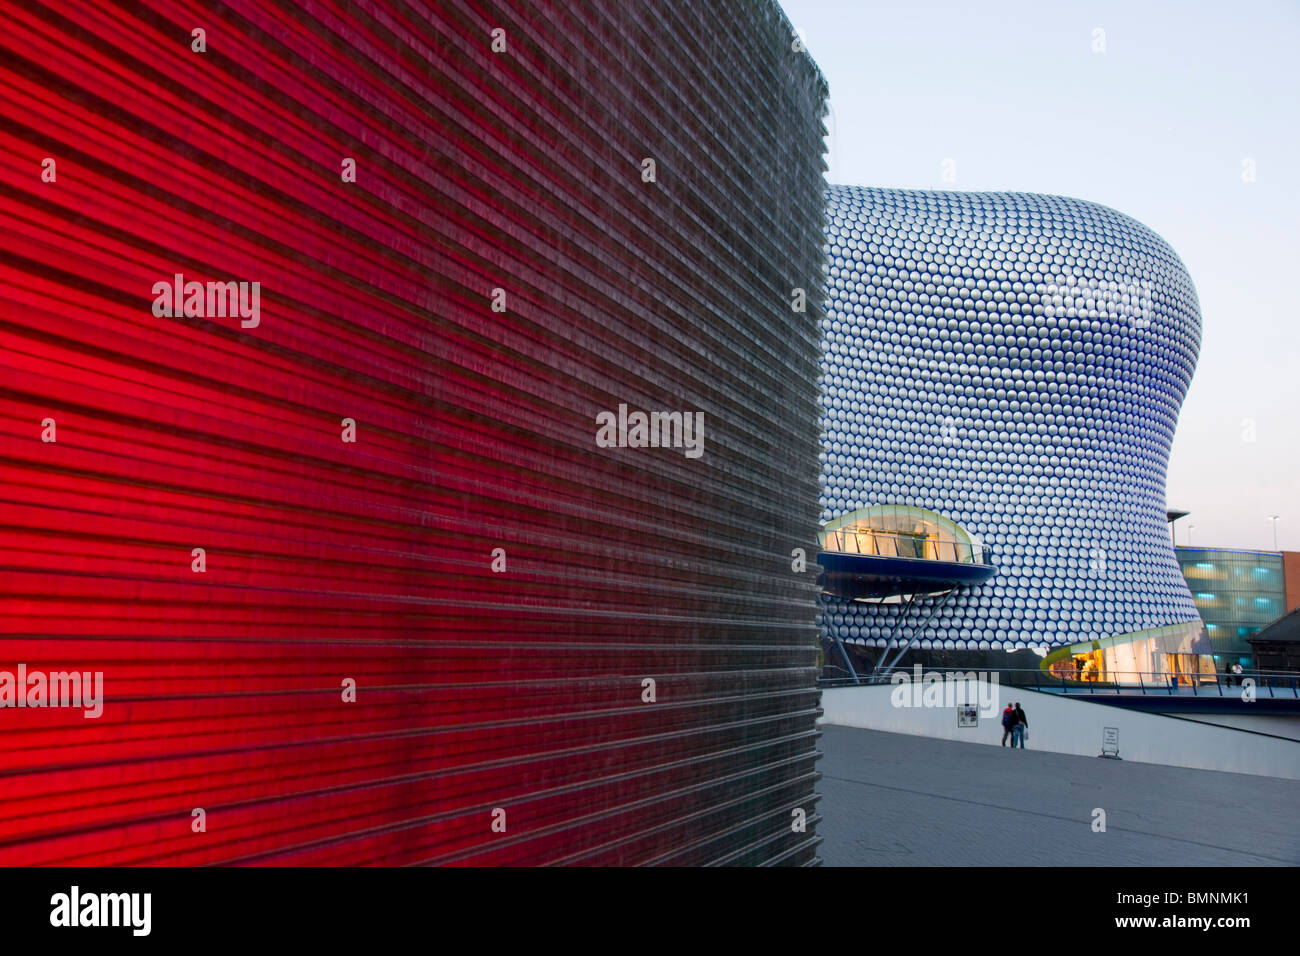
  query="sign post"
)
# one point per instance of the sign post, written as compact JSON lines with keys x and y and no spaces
{"x":1110,"y":742}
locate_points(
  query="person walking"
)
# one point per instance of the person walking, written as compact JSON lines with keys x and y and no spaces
{"x":1008,"y":720}
{"x":1020,"y":728}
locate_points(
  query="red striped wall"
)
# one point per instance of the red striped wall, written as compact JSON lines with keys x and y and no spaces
{"x":326,"y":560}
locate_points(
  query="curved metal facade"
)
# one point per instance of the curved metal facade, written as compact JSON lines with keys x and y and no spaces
{"x":498,"y":145}
{"x":1016,"y":363}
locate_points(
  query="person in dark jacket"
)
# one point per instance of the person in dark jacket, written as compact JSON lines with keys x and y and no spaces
{"x":1008,"y":721}
{"x":1019,"y":727}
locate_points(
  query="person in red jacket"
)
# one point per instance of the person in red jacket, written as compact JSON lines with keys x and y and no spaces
{"x":1008,"y":721}
{"x":1019,"y":727}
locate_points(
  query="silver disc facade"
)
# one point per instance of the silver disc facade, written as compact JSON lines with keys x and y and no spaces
{"x":1014,"y":363}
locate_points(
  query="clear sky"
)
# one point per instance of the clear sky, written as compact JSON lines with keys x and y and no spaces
{"x":1165,"y":126}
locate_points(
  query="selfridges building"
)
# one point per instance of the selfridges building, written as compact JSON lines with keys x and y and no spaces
{"x":1002,"y":377}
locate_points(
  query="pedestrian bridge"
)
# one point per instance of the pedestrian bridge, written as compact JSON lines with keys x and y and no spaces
{"x":1257,"y":692}
{"x":1253,"y":692}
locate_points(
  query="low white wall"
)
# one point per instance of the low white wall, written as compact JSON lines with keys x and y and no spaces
{"x":1072,"y":727}
{"x":1279,"y":725}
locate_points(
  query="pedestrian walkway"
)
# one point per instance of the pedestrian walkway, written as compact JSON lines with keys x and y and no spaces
{"x":902,"y":800}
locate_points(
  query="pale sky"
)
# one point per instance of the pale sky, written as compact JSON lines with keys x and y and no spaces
{"x":1157,"y":126}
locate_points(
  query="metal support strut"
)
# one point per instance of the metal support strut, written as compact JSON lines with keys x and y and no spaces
{"x":882,"y":669}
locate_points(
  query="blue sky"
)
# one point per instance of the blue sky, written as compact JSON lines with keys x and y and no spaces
{"x":1157,"y":126}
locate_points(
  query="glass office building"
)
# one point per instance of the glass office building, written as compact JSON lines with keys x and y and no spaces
{"x":1237,"y":594}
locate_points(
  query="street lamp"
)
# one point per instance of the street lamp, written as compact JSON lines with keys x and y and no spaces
{"x":1273,"y":518}
{"x":1172,"y":515}
{"x":1190,"y":529}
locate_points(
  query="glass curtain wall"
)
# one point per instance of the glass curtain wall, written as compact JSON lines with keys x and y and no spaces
{"x":1237,"y":594}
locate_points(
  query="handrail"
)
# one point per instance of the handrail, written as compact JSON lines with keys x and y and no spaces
{"x":896,"y":544}
{"x":1164,"y":683}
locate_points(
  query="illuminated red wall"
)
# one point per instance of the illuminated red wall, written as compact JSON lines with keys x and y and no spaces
{"x":327,"y":560}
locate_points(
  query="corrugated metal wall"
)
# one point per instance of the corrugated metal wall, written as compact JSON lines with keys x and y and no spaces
{"x":519,"y":689}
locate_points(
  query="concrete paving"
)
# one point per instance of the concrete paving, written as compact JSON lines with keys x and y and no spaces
{"x":901,"y":800}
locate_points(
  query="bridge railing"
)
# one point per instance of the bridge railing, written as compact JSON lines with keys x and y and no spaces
{"x":893,"y":544}
{"x":1263,"y":684}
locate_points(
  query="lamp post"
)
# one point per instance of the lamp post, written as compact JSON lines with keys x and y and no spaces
{"x":1273,"y":518}
{"x":1190,"y":529}
{"x":1172,"y":515}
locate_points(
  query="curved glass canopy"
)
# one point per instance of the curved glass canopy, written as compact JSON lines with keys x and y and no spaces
{"x":895,"y":549}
